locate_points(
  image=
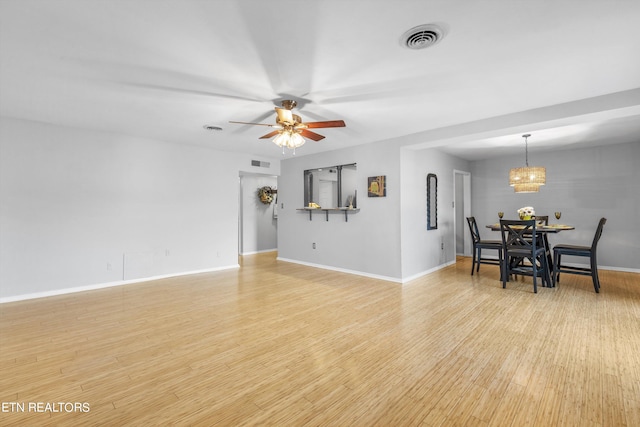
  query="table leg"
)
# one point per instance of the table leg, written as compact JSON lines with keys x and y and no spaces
{"x":549,"y":256}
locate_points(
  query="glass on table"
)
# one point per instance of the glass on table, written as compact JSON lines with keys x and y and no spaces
{"x":558,"y":215}
{"x":500,"y":215}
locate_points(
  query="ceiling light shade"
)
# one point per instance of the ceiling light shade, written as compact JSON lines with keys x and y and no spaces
{"x":526,"y":188}
{"x":290,"y":139}
{"x":528,"y":175}
{"x":281,"y":139}
{"x":527,"y":179}
{"x":296,"y":140}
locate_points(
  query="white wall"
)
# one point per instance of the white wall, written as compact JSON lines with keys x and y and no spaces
{"x":81,"y":208}
{"x":584,"y":184}
{"x":422,"y":249}
{"x":259,"y":227}
{"x":369,"y":243}
{"x":388,"y":238}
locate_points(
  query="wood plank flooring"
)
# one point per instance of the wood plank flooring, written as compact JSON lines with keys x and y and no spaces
{"x":280,"y":344}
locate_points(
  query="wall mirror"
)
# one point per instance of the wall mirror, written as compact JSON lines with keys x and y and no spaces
{"x":331,"y":187}
{"x":432,"y":201}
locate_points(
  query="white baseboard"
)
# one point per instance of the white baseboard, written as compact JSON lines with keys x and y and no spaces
{"x":373,"y":276}
{"x":624,"y":269}
{"x":209,"y":270}
{"x":600,"y":267}
{"x":259,"y":252}
{"x":342,"y":270}
{"x":424,"y":273}
{"x":107,"y":285}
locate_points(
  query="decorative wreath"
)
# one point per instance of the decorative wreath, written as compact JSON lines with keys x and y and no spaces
{"x":265,"y":194}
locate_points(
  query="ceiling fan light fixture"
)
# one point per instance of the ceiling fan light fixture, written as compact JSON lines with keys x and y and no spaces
{"x":291,"y":128}
{"x":289,"y":139}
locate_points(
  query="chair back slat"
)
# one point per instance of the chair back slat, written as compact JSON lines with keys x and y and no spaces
{"x":473,"y":227}
{"x":518,"y":233}
{"x":598,"y":234}
{"x":542,"y":219}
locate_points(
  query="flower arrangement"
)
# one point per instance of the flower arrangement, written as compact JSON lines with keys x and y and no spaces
{"x":265,"y":194}
{"x":526,"y":213}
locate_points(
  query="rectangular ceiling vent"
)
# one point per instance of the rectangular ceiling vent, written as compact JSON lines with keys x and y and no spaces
{"x":260,"y":164}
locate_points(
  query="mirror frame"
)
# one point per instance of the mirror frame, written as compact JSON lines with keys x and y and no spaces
{"x":309,"y":183}
{"x":432,"y":202}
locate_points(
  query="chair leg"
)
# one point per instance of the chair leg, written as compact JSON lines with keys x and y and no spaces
{"x":479,"y":258}
{"x":547,"y":273}
{"x":556,"y":268}
{"x":505,"y":271}
{"x":534,"y":269}
{"x":473,"y":264}
{"x":594,"y":273}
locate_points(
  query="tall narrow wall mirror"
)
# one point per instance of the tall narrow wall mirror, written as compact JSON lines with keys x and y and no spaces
{"x":432,"y":201}
{"x":331,"y":187}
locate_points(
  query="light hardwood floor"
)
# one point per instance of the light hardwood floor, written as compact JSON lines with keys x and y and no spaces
{"x":276,"y":343}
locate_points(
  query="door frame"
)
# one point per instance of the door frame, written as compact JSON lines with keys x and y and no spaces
{"x":466,"y":197}
{"x":241,"y":207}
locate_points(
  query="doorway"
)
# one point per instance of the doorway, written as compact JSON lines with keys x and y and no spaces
{"x":257,"y":221}
{"x":461,"y":210}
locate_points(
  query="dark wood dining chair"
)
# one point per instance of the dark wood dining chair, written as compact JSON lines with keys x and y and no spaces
{"x":581,"y":251}
{"x":544,"y":219}
{"x":543,"y":240}
{"x":520,"y":242}
{"x":479,"y":244}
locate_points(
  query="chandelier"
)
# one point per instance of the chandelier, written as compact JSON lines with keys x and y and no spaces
{"x":527,"y":179}
{"x":289,"y":138}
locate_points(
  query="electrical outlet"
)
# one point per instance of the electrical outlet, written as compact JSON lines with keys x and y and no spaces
{"x":314,"y":245}
{"x":109,"y":266}
{"x":442,"y":245}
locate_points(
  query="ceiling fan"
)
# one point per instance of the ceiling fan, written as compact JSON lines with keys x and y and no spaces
{"x":290,"y":129}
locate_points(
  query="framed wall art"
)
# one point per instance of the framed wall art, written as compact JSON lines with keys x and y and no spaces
{"x":377,"y":186}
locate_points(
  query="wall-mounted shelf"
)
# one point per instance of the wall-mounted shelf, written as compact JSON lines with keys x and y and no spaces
{"x":328,"y":211}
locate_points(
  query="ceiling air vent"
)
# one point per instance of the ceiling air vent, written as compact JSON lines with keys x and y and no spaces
{"x":422,"y":36}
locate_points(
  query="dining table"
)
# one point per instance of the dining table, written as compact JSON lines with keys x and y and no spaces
{"x":543,"y":230}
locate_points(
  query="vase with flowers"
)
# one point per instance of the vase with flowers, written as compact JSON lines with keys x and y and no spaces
{"x":526,"y":213}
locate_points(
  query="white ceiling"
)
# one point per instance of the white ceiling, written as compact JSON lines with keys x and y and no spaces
{"x":566,"y":71}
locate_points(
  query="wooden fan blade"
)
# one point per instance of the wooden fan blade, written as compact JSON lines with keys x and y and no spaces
{"x":311,"y":135}
{"x":327,"y":124}
{"x":270,"y":135}
{"x":257,"y":124}
{"x":284,"y":116}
